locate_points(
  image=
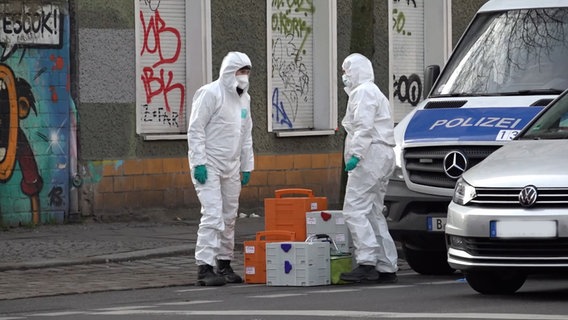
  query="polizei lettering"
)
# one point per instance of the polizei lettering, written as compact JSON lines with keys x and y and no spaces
{"x":487,"y":122}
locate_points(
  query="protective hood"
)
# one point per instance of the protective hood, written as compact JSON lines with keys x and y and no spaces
{"x":359,"y":69}
{"x":232,"y":62}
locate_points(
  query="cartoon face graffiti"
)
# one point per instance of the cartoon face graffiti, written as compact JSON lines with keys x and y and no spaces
{"x":9,"y":122}
{"x":16,"y":100}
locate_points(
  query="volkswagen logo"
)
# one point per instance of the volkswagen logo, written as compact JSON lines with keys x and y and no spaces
{"x":455,"y":163}
{"x":527,"y":196}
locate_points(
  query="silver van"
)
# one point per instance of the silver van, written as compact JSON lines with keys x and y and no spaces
{"x":509,"y":214}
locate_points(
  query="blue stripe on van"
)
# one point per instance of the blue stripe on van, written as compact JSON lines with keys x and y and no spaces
{"x":468,"y":124}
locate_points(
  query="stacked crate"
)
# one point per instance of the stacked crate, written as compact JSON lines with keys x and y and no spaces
{"x":331,"y":223}
{"x":255,"y":253}
{"x":285,"y":220}
{"x":289,"y":213}
{"x":297,"y":264}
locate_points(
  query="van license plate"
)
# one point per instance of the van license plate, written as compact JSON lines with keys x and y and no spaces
{"x":436,"y":224}
{"x":523,"y":229}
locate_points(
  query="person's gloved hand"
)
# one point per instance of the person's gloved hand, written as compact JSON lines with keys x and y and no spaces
{"x":246,"y":178}
{"x":352,"y":163}
{"x":200,"y":173}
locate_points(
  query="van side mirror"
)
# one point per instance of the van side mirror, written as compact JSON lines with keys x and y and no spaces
{"x":431,"y":74}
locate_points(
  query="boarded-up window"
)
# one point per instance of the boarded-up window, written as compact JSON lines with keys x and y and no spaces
{"x":407,"y":37}
{"x":420,"y":35}
{"x":168,"y":43}
{"x":302,"y":82}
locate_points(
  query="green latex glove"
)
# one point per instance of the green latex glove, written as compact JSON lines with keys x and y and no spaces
{"x":200,"y":173}
{"x":352,"y":163}
{"x":246,"y":178}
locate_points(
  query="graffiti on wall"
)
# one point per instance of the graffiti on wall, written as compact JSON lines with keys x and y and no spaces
{"x":407,"y":35}
{"x":30,"y":28}
{"x":408,"y":88}
{"x":292,"y":64}
{"x":34,"y":116}
{"x":162,"y":67}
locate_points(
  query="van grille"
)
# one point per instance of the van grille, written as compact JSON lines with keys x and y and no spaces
{"x":452,"y":104}
{"x":425,"y":165}
{"x":542,"y":248}
{"x":549,"y":197}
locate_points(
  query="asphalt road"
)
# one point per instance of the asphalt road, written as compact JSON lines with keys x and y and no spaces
{"x":413,"y":297}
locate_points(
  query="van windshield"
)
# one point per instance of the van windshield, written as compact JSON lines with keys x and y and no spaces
{"x":509,"y":53}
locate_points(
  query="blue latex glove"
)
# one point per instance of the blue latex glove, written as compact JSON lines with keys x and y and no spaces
{"x":200,"y":173}
{"x":352,"y":163}
{"x":246,"y":178}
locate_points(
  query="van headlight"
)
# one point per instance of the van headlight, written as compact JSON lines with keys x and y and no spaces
{"x":397,"y":173}
{"x":463,"y":193}
{"x":457,"y":242}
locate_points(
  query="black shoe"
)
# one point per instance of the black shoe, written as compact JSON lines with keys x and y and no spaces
{"x":224,"y":269}
{"x":206,"y":277}
{"x":387,"y":277}
{"x":363,"y":273}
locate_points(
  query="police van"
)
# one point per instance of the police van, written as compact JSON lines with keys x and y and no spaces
{"x":511,"y":61}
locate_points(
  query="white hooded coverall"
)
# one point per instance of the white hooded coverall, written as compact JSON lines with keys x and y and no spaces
{"x":220,"y":137}
{"x":370,"y":137}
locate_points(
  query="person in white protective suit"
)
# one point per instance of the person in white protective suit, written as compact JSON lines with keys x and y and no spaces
{"x":369,"y":161}
{"x":220,"y":151}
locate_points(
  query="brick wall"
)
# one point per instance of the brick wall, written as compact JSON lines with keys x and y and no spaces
{"x":128,"y":185}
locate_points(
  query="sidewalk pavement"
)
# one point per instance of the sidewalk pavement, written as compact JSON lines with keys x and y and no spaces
{"x":89,"y":257}
{"x":97,"y":256}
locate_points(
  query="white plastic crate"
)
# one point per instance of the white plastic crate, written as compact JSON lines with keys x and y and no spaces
{"x":331,"y":223}
{"x":297,"y":264}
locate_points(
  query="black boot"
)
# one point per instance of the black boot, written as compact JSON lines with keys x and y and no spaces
{"x":387,"y":277}
{"x":207,"y":277}
{"x":363,"y":273}
{"x":224,"y":269}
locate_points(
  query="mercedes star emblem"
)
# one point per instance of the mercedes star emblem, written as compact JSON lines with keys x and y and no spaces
{"x":455,"y":163}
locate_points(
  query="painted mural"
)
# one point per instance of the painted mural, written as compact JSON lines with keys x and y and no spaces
{"x":35,"y":121}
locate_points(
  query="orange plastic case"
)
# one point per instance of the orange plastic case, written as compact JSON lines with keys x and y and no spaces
{"x":255,"y":253}
{"x":289,"y":213}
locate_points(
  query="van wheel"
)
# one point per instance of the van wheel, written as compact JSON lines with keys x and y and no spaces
{"x":427,"y":262}
{"x":494,"y":282}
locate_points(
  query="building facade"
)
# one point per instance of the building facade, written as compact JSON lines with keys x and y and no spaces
{"x":95,"y":94}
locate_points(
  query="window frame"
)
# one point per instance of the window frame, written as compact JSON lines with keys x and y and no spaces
{"x":198,"y":69}
{"x":324,"y":80}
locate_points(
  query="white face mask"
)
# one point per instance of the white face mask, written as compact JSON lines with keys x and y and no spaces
{"x":346,"y":81}
{"x":242,"y":81}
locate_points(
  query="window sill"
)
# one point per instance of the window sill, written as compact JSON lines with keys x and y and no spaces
{"x":304,"y":133}
{"x":156,"y":137}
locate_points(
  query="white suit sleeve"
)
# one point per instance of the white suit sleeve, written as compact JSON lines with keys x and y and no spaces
{"x":363,"y":123}
{"x":247,"y":154}
{"x":202,"y":109}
